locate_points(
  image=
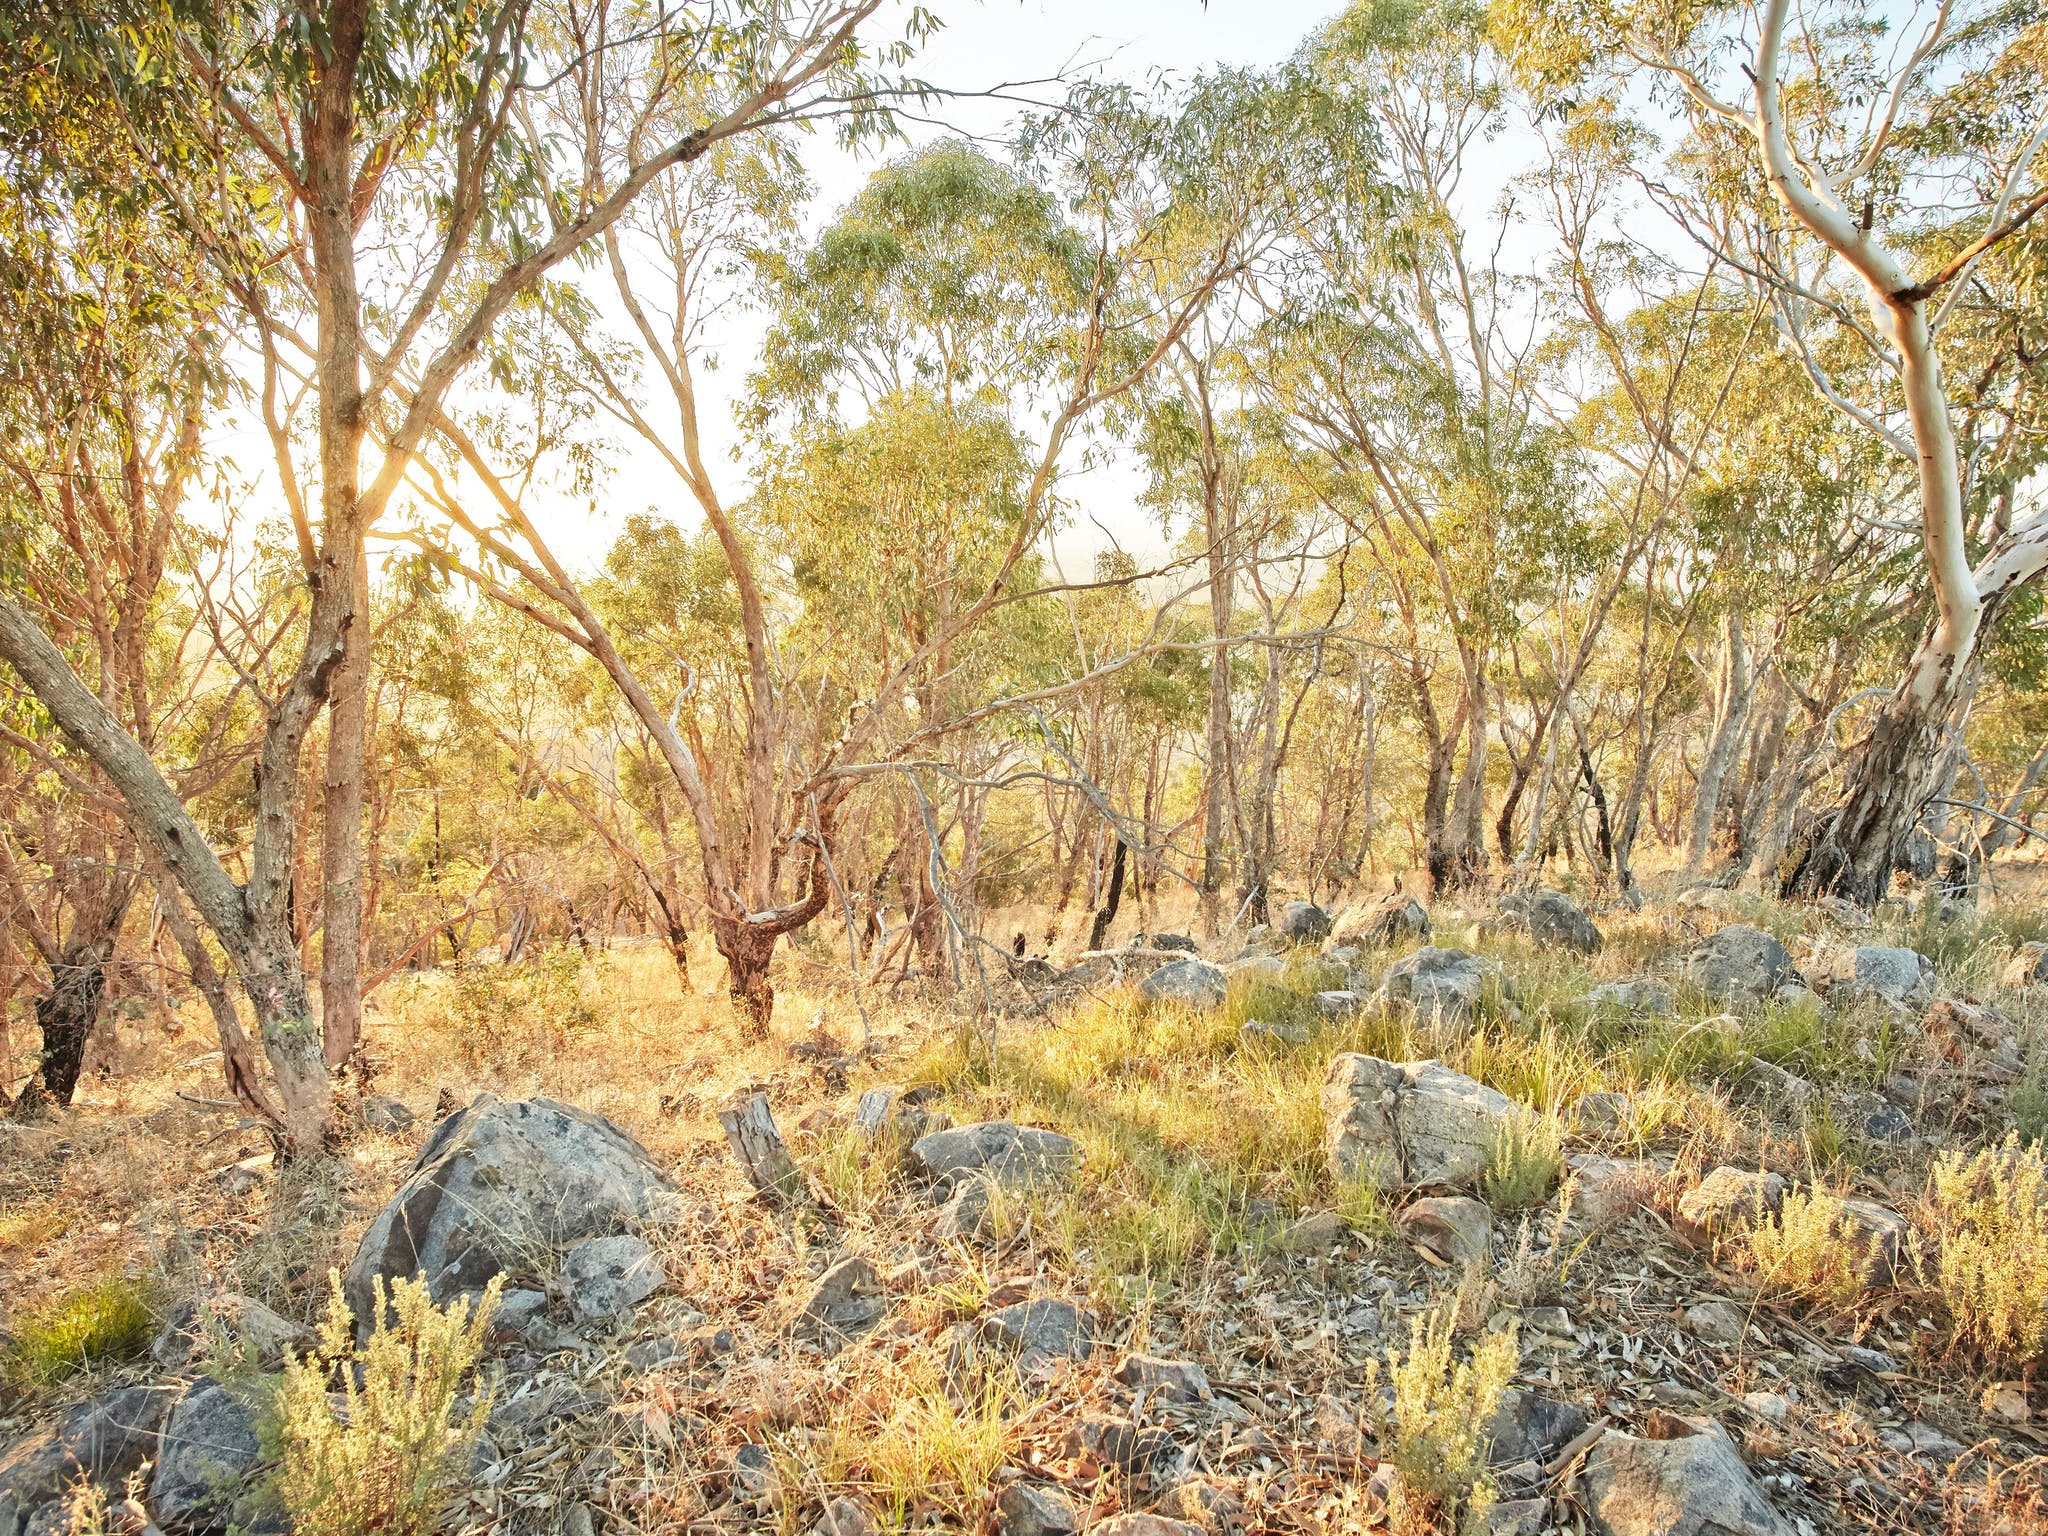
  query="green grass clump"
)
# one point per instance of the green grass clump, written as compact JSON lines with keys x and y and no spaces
{"x":1524,"y":1163}
{"x":104,"y":1323}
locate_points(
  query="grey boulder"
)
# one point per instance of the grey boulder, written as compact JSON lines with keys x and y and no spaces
{"x":1904,"y":978}
{"x":1041,"y":1332}
{"x":1303,"y":922}
{"x":1641,"y":995}
{"x":1690,"y":1484}
{"x":1389,"y":920}
{"x":1190,"y":981}
{"x":1455,"y":1228}
{"x":1551,"y":918}
{"x":496,"y":1181}
{"x":241,"y":1322}
{"x":208,"y":1458}
{"x":103,"y":1441}
{"x":1727,"y":1203}
{"x":1015,"y":1156}
{"x":1443,"y":985}
{"x":1390,"y":1124}
{"x":1739,"y":963}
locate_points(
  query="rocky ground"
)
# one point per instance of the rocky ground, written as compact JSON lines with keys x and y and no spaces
{"x":1138,"y":1250}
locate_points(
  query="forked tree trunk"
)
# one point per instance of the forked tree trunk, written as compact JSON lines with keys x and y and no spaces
{"x":748,"y":950}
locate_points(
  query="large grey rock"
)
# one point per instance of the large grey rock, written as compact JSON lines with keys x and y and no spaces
{"x":1605,"y":1190}
{"x":1439,"y":984}
{"x":1191,"y":981}
{"x":1739,"y":963}
{"x":206,"y":1465}
{"x":1389,"y":920}
{"x":1693,"y":1484}
{"x":103,"y":1440}
{"x":1903,"y":977}
{"x":241,"y":1322}
{"x":1729,"y":1202}
{"x":1551,"y":918}
{"x":496,"y":1182}
{"x":1041,"y":1332}
{"x":604,"y":1278}
{"x":1014,"y":1156}
{"x":1303,"y":922}
{"x":1390,"y":1124}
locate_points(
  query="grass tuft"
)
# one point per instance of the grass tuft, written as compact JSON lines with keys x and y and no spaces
{"x":101,"y":1324}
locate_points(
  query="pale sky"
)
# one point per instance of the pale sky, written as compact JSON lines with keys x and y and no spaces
{"x":980,"y":46}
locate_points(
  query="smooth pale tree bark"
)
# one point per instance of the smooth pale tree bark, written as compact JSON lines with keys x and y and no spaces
{"x":341,"y":840}
{"x":1853,"y":847}
{"x":1733,"y":690}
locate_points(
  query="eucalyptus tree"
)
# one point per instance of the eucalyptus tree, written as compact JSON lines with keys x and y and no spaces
{"x":1880,"y":182}
{"x":374,"y":188}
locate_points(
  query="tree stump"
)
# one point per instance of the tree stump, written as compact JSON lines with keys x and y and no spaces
{"x":750,"y":1131}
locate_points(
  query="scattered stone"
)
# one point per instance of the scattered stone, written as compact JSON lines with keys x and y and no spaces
{"x":1303,"y":922}
{"x":846,"y":1517}
{"x":1728,"y":1202}
{"x":753,"y":1472}
{"x":1391,"y":919}
{"x":1336,"y":1005}
{"x":1605,"y":1190}
{"x":1918,"y":1439}
{"x":382,"y":1113}
{"x":205,"y":1463}
{"x":1691,"y":1483}
{"x":1874,"y":1360}
{"x":1266,"y":968}
{"x":1878,"y":1232}
{"x":1518,"y":1517}
{"x":605,"y":1278}
{"x":1041,"y":1332}
{"x":1642,"y":996}
{"x":1977,"y":1036}
{"x":1769,"y":1407}
{"x":1739,"y":962}
{"x":1016,"y":1157}
{"x":1143,"y":1525}
{"x":1716,"y":1322}
{"x":1179,"y":943}
{"x":1273,"y":1034}
{"x":1190,"y":981}
{"x":242,"y":1322}
{"x":1551,"y":918}
{"x":969,"y":1213}
{"x":1317,"y":1232}
{"x":846,"y":1302}
{"x":1199,"y":1502}
{"x":1391,"y":1124}
{"x":1605,"y":1111}
{"x":1174,"y":1380}
{"x":1027,"y":1509}
{"x":1456,"y":1228}
{"x":1887,"y":1123}
{"x":1774,"y":1079}
{"x":1440,"y":985}
{"x":2006,"y":1401}
{"x":493,"y":1182}
{"x":2028,"y":967}
{"x":103,"y":1440}
{"x":1530,"y":1427}
{"x":1904,"y":978}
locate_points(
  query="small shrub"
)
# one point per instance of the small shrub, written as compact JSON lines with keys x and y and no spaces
{"x":385,"y":1461}
{"x":104,"y":1323}
{"x":1442,"y":1408}
{"x":1809,"y":1251}
{"x":1524,"y":1162}
{"x":1988,"y":1227}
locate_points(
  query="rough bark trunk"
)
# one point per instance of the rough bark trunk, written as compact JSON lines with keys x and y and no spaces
{"x":1106,"y":913}
{"x":748,"y":951}
{"x":67,"y":1013}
